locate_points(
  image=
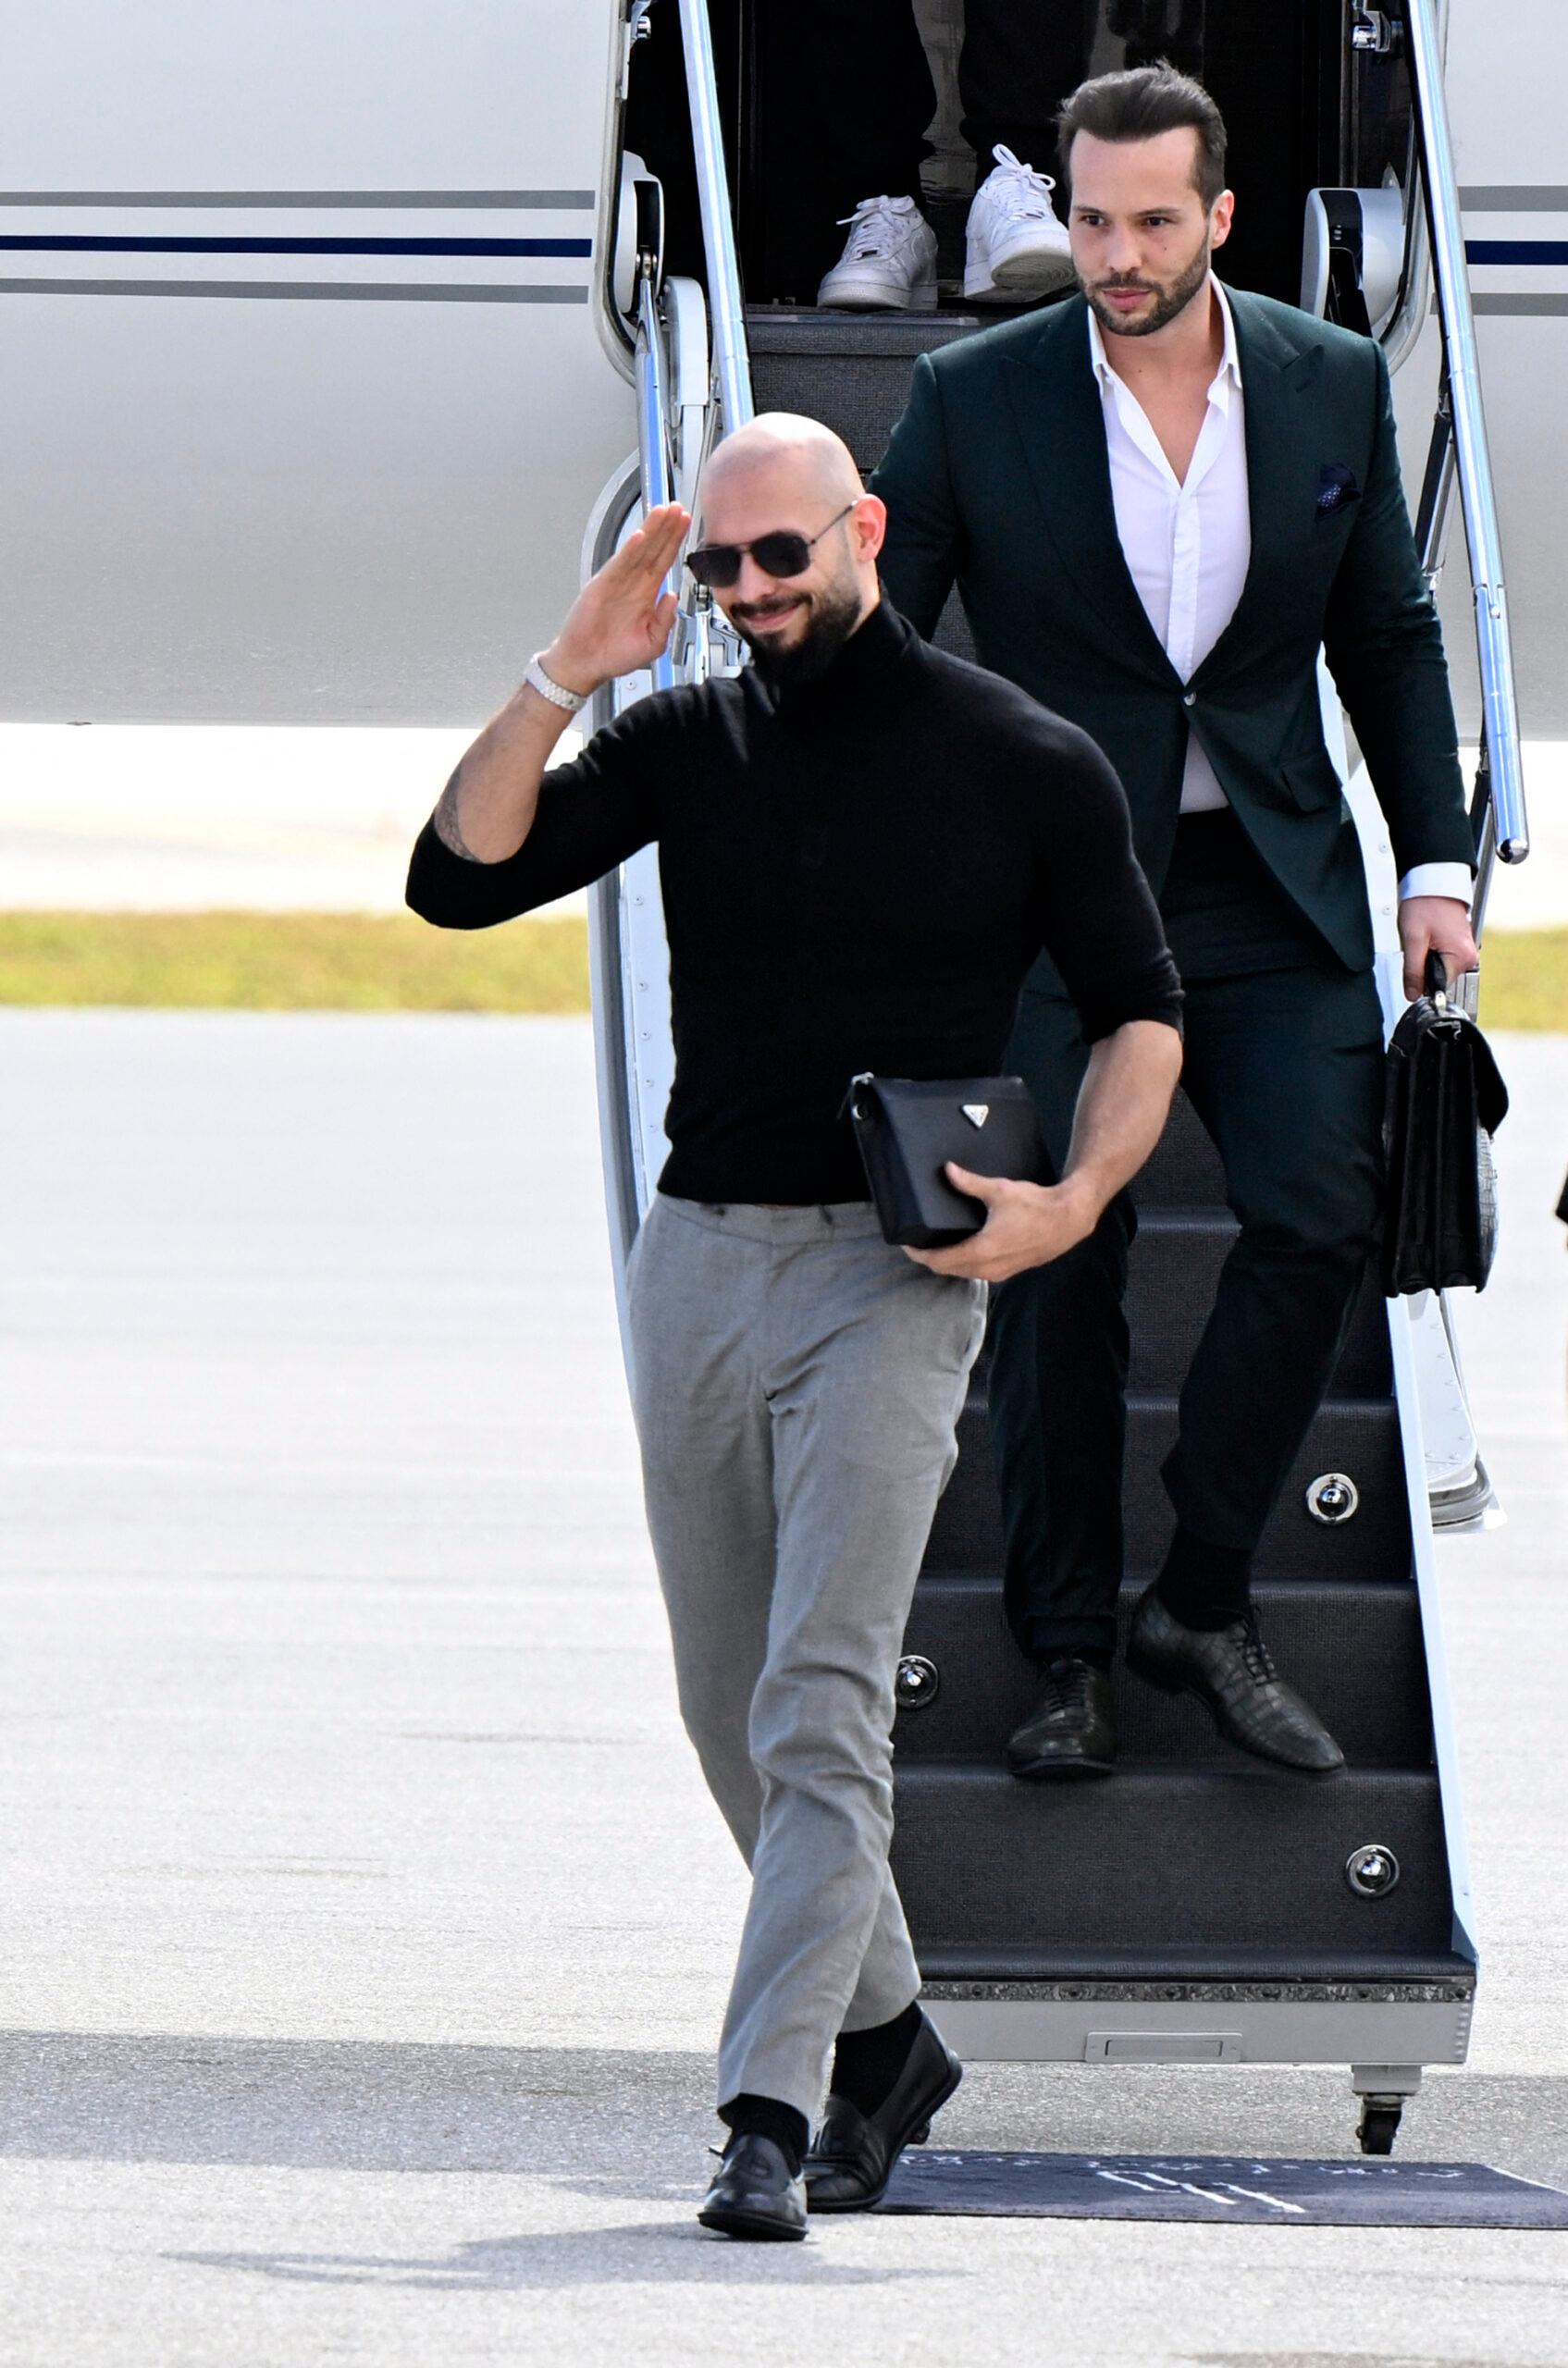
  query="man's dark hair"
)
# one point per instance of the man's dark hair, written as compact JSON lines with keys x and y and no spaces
{"x":1139,"y":105}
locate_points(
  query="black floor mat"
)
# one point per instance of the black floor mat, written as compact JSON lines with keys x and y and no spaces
{"x":1156,"y":2186}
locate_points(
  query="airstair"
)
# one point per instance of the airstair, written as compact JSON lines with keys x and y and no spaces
{"x":1199,"y":1907}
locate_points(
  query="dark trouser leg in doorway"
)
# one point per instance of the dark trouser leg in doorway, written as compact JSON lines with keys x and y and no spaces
{"x":845,"y":97}
{"x":1019,"y":62}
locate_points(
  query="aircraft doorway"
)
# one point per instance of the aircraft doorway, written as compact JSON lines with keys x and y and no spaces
{"x":1275,"y":72}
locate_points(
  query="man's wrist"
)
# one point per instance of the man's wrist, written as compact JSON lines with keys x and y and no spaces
{"x":1079,"y":1193}
{"x":571,"y":674}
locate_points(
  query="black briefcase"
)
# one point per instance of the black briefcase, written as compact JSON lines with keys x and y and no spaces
{"x":1445,"y":1101}
{"x":908,"y":1127}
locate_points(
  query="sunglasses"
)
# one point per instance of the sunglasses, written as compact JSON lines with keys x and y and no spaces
{"x":783,"y":553}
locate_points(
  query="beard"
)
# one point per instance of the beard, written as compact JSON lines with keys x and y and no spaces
{"x":833,"y":617}
{"x":1171,"y":297}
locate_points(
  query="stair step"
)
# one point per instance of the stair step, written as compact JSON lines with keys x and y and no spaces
{"x":1173,"y":1270}
{"x":1353,"y":1649}
{"x":852,"y":374}
{"x":1171,"y":1972}
{"x":1167,"y":1857}
{"x":1356,"y":1437}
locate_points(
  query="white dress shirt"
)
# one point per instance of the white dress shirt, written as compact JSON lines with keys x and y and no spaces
{"x":1188,"y":543}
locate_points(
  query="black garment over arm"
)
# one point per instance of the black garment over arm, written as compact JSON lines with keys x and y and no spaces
{"x":1098,"y":919}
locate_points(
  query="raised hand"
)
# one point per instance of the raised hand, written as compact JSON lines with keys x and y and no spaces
{"x":623,"y":618}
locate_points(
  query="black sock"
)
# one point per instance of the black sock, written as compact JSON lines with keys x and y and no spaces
{"x":1205,"y":1586}
{"x":749,"y":2116}
{"x":1097,"y":1656}
{"x":866,"y":2065}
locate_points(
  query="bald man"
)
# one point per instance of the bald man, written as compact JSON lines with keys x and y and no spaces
{"x":863,"y":844}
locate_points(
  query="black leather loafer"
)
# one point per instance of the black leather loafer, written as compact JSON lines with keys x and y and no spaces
{"x":853,"y":2153}
{"x":1072,"y":1730}
{"x":754,"y":2194}
{"x":1230,"y":1670}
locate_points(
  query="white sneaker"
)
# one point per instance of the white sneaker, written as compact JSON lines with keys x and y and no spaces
{"x":1015,"y":249}
{"x":889,"y":260}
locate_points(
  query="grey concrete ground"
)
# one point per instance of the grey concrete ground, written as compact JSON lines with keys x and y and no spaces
{"x":366,"y":1922}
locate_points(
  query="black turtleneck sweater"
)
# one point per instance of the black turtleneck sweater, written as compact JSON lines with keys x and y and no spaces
{"x":857,"y":872}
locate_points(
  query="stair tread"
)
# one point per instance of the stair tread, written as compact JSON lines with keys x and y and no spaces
{"x":1164,"y":1401}
{"x":1243,"y":1770}
{"x":969,"y":1580}
{"x":1154,"y":1970}
{"x":1223,"y":1859}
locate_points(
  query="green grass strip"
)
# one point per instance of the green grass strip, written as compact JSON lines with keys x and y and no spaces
{"x":291,"y":962}
{"x":392,"y":962}
{"x":1524,"y":980}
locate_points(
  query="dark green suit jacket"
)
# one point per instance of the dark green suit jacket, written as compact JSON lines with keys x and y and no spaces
{"x":996,"y":477}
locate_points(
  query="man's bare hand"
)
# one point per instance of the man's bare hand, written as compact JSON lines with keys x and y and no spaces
{"x":1026,"y":1225}
{"x":621,"y":619}
{"x":1434,"y":925}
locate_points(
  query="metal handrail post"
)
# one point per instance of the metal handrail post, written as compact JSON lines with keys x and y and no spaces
{"x":732,"y":366}
{"x":654,"y":427}
{"x":1499,"y":698}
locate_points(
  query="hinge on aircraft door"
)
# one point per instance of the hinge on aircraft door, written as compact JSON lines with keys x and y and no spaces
{"x":1374,"y":33}
{"x":637,"y":29}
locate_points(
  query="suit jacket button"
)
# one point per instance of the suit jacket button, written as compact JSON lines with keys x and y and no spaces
{"x":1190,"y":699}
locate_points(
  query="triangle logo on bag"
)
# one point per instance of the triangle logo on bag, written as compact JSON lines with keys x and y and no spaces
{"x":976,"y":1113}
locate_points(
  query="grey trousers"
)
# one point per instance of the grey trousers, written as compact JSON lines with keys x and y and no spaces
{"x":797,"y":1388}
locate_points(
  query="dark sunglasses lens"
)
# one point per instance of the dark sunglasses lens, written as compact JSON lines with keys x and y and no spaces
{"x":782,"y":554}
{"x":715,"y":565}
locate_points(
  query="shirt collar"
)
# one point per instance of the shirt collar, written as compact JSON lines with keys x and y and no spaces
{"x":1230,"y":371}
{"x":864,"y":668}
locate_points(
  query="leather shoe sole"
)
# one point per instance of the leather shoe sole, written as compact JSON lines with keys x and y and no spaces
{"x":760,"y":2227}
{"x":754,"y":2194}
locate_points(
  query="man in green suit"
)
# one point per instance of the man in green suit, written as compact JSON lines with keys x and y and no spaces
{"x":1158,"y":501}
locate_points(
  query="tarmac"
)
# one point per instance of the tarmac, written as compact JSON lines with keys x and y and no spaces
{"x":367,"y":1922}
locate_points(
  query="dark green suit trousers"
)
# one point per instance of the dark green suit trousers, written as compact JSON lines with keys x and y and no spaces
{"x":1284,"y":1066}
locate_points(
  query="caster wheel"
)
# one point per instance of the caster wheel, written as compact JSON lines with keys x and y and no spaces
{"x":1379,"y":2125}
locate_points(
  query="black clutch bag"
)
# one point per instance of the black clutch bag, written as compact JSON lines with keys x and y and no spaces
{"x":1445,"y":1101}
{"x":908,"y":1127}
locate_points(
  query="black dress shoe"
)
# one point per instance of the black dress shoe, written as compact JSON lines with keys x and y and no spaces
{"x":755,"y":2193}
{"x":1072,"y":1730}
{"x":853,"y":2153}
{"x":1231,"y":1671}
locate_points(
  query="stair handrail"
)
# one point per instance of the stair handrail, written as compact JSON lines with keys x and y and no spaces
{"x":654,"y":422}
{"x":1499,"y":807}
{"x":732,"y":364}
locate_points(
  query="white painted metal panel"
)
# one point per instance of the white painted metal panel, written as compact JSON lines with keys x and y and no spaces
{"x":304,"y":401}
{"x":1237,"y":2030}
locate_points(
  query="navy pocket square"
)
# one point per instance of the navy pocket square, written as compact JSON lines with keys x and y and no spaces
{"x":1337,"y":488}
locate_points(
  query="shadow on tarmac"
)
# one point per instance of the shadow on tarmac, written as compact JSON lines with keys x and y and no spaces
{"x":636,"y":2253}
